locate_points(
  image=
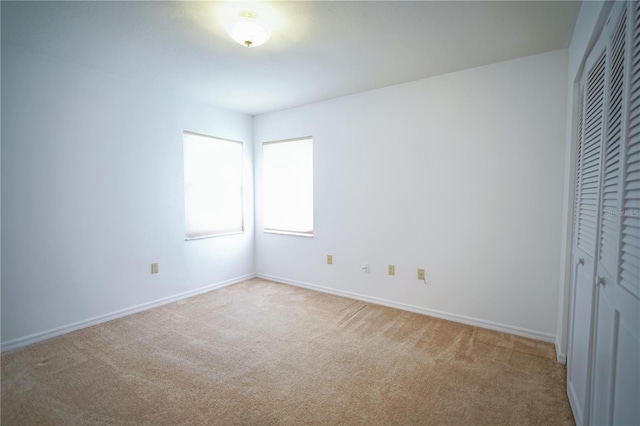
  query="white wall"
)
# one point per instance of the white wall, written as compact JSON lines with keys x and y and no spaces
{"x":460,"y":174}
{"x":92,"y":194}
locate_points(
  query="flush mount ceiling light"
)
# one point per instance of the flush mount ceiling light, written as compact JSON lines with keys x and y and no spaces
{"x":249,"y":31}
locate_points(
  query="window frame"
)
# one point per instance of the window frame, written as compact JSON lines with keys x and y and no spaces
{"x":289,"y":232}
{"x":242,"y":201}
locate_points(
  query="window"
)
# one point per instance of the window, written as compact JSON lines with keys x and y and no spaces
{"x":287,"y":180}
{"x":212,"y":186}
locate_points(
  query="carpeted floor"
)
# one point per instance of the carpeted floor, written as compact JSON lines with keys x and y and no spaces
{"x":261,"y":353}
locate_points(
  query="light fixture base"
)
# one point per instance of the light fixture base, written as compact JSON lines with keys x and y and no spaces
{"x":249,"y":31}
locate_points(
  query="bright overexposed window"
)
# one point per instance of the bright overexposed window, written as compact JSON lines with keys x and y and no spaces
{"x":212,"y":186}
{"x":287,"y":186}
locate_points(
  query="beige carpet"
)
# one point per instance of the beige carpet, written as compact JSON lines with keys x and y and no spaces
{"x":261,"y":353}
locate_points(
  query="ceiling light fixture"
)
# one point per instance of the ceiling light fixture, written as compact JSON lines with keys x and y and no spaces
{"x":249,"y":31}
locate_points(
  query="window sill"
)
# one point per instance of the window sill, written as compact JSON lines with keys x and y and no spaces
{"x":297,"y":234}
{"x":213,"y":235}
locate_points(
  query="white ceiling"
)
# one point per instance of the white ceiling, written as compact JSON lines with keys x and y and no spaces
{"x":318,"y":50}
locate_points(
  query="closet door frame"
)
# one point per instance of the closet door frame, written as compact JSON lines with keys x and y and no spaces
{"x":583,"y":291}
{"x":605,"y":392}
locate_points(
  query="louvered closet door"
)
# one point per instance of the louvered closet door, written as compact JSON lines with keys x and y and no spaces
{"x":585,"y":235}
{"x":616,"y":365}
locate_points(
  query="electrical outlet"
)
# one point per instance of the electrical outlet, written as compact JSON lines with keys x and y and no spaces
{"x":421,"y":274}
{"x":391,"y":270}
{"x":329,"y":259}
{"x":154,"y":268}
{"x":365,"y":267}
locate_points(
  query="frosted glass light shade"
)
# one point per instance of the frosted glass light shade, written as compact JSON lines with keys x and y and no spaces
{"x":249,"y":31}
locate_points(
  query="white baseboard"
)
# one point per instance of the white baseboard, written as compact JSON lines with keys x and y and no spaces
{"x":561,"y":357}
{"x":37,"y":337}
{"x":532,"y":334}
